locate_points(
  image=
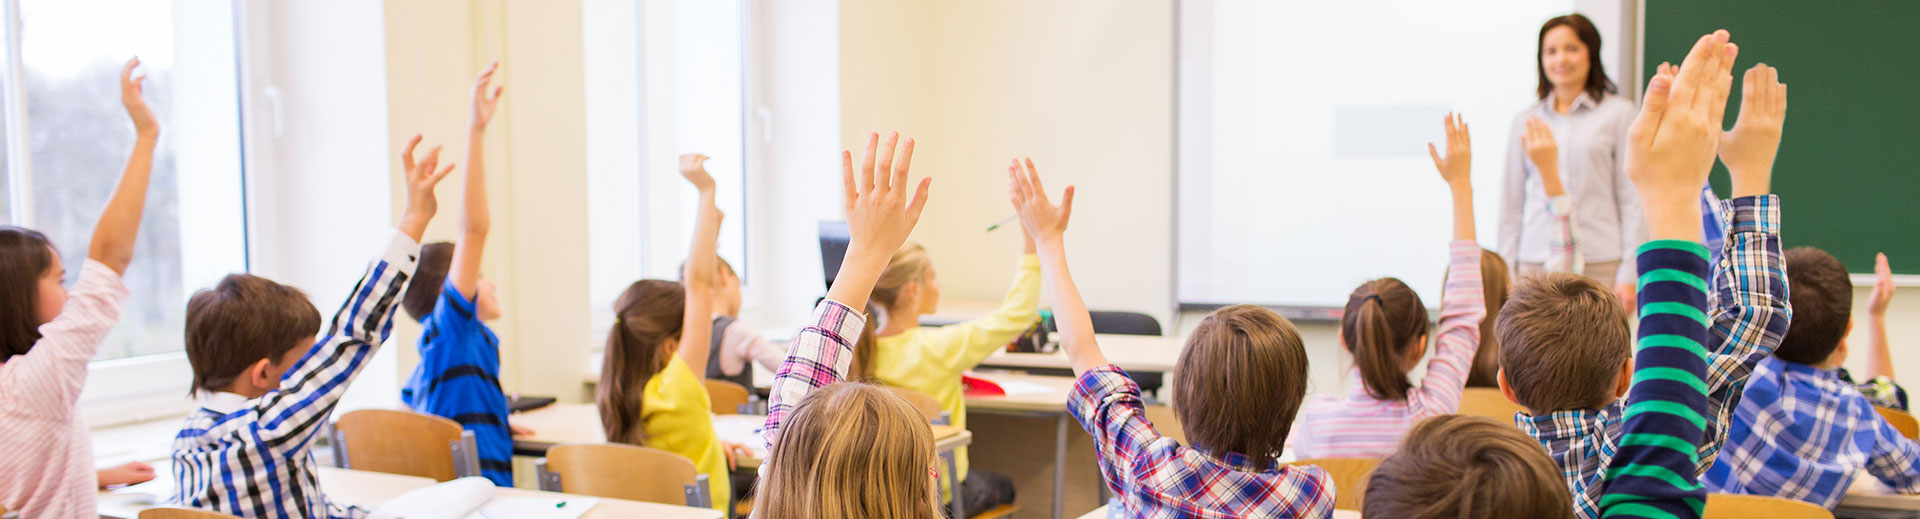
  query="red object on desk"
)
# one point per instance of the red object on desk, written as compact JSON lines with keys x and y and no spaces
{"x":976,"y":386}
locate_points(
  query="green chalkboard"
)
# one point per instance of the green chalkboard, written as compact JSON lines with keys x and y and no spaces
{"x":1848,"y":174}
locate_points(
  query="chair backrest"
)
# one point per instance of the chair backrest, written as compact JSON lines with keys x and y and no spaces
{"x":169,"y":512}
{"x":926,"y":405}
{"x":1488,"y":402}
{"x":622,"y":472}
{"x":401,"y":442}
{"x":727,"y":397}
{"x":1900,"y":420}
{"x":1736,"y":506}
{"x":1349,"y":478}
{"x":1125,"y":323}
{"x":1166,"y":422}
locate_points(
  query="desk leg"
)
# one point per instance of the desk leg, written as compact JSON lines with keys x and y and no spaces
{"x":959,"y":508}
{"x":1060,"y":467}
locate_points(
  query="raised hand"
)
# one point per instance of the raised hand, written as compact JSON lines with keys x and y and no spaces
{"x":882,"y":209}
{"x":1749,"y":150}
{"x":1882,"y":287}
{"x":132,"y":95}
{"x":1043,"y":221}
{"x":421,"y":179}
{"x":693,"y":167}
{"x":1457,"y":167}
{"x":485,"y":102}
{"x":1545,"y":154}
{"x":1672,"y":143}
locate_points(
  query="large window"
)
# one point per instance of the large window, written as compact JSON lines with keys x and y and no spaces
{"x":67,"y":139}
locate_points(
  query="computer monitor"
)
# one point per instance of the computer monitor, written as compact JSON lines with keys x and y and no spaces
{"x":833,"y":248}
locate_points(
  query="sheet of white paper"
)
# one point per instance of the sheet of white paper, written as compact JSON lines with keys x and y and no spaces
{"x":535,"y":508}
{"x":451,"y":500}
{"x":1022,"y":388}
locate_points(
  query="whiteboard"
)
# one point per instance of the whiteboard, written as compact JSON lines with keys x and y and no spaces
{"x":1303,"y":168}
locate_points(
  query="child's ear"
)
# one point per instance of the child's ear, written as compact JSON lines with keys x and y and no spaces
{"x":260,"y":374}
{"x":1624,"y":381}
{"x":1506,"y":390}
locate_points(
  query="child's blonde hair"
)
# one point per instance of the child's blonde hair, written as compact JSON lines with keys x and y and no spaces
{"x":851,"y":450}
{"x":909,"y":264}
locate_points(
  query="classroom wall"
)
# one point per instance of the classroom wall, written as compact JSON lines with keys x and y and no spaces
{"x":1084,"y":88}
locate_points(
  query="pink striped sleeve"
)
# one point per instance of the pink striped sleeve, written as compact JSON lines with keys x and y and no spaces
{"x":1462,"y":306}
{"x":48,"y":379}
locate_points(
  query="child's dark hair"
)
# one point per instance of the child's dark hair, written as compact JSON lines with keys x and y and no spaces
{"x":1469,"y":467}
{"x":238,"y":322}
{"x":646,"y":316}
{"x":1383,"y":318}
{"x":1237,"y":352}
{"x":1821,"y":295}
{"x":25,"y":256}
{"x":1494,"y":282}
{"x":423,"y":293}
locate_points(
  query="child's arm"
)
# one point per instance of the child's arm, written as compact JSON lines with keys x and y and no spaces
{"x":475,"y":219}
{"x":315,"y":383}
{"x":881,"y":211}
{"x":696,"y":324}
{"x":1879,"y":358}
{"x":50,"y":378}
{"x":1462,"y":303}
{"x":1750,"y":313}
{"x":1047,"y":225}
{"x":971,"y":342}
{"x":119,"y":223}
{"x":1671,"y":143}
{"x":1563,"y":248}
{"x":1895,"y":460}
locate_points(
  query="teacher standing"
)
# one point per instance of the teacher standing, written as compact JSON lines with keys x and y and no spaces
{"x":1580,"y":127}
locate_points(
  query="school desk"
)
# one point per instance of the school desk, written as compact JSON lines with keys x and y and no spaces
{"x":1869,"y":493}
{"x":368,"y":489}
{"x":1034,"y":396}
{"x":1134,"y":353}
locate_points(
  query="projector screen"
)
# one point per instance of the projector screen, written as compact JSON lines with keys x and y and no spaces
{"x":1303,"y":167}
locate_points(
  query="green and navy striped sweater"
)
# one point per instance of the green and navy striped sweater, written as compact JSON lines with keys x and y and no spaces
{"x":1653,"y":474}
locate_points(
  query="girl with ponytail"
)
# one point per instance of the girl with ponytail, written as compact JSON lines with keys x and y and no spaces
{"x":1385,"y":328}
{"x":648,"y":395}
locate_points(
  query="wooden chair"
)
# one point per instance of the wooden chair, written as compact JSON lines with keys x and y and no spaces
{"x":1900,"y":420}
{"x":1349,"y":478}
{"x":926,"y":405}
{"x":401,"y":442}
{"x":1736,"y":506}
{"x":1488,"y":402}
{"x":624,"y":472}
{"x":181,"y":513}
{"x":727,"y":397}
{"x":998,"y":512}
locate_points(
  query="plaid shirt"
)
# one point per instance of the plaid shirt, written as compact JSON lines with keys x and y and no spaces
{"x":1750,"y":316}
{"x":253,"y":457}
{"x":1153,"y":476}
{"x":818,"y":357}
{"x":1803,"y":433}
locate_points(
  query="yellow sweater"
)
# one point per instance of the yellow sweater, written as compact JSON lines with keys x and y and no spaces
{"x":679,"y":419}
{"x":929,"y":360}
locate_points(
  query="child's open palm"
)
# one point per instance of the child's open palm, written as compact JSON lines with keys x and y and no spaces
{"x":881,"y":209}
{"x":132,"y":95}
{"x":1672,"y":143}
{"x":1882,"y":286}
{"x":1456,"y":168}
{"x":1750,"y":148}
{"x":693,"y":167}
{"x":421,"y":178}
{"x":1045,"y":222}
{"x":485,"y":102}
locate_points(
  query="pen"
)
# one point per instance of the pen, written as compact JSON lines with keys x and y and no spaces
{"x":996,"y":226}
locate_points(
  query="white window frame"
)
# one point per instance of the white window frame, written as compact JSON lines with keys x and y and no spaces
{"x":123,"y":390}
